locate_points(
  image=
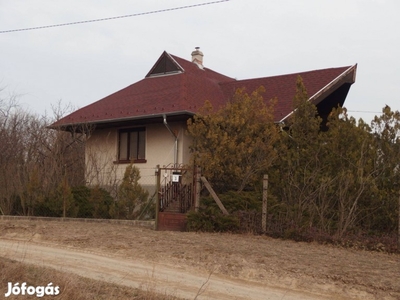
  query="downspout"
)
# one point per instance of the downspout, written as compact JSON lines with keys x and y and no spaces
{"x":176,"y":140}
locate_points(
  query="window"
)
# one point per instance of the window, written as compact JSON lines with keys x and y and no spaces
{"x":132,"y":145}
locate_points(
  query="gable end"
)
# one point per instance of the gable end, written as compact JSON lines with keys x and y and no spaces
{"x":165,"y":65}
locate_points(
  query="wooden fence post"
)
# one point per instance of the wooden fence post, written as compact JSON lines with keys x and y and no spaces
{"x":214,"y":195}
{"x":398,"y":233}
{"x":158,"y":174}
{"x":264,"y":204}
{"x":197,"y":189}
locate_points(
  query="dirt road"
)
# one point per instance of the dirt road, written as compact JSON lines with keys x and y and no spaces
{"x":134,"y":273}
{"x":223,"y":266}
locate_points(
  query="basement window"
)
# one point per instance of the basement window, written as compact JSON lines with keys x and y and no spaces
{"x":132,"y":145}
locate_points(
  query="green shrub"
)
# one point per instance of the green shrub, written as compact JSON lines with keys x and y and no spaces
{"x":209,"y":218}
{"x":81,"y":198}
{"x":241,"y":201}
{"x":131,"y":195}
{"x":92,"y":202}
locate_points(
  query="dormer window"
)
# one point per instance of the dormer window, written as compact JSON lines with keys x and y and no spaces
{"x":165,"y":65}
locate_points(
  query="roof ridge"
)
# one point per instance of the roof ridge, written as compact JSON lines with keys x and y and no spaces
{"x":204,"y":68}
{"x":295,"y":73}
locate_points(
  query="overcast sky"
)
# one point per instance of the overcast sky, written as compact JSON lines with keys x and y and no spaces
{"x":80,"y":64}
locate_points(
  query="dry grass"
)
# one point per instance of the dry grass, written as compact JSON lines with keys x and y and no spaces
{"x":71,"y":286}
{"x":309,"y":266}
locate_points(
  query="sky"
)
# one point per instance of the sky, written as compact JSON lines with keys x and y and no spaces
{"x":79,"y":64}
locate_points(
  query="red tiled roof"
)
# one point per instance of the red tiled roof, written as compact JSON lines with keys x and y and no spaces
{"x":283,"y":87}
{"x":187,"y":91}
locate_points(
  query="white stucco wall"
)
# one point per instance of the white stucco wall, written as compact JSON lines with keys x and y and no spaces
{"x":102,"y":153}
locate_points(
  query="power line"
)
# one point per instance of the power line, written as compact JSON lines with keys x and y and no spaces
{"x":113,"y":18}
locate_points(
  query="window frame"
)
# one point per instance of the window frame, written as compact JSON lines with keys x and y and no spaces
{"x":130,"y":131}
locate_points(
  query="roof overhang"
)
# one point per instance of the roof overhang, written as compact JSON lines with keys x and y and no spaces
{"x":343,"y":81}
{"x":175,"y":116}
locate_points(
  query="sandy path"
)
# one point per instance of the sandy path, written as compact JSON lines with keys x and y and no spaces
{"x":138,"y":273}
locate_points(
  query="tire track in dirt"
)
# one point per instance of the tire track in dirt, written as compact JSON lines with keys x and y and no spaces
{"x":141,"y":274}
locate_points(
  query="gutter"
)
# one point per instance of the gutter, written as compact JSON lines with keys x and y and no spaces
{"x":124,"y":119}
{"x":176,"y":140}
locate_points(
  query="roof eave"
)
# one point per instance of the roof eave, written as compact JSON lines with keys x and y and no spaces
{"x":105,"y":122}
{"x":348,"y":76}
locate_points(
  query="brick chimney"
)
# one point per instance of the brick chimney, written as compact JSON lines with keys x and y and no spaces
{"x":197,"y":57}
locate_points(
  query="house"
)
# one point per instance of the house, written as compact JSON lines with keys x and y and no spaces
{"x":146,"y":121}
